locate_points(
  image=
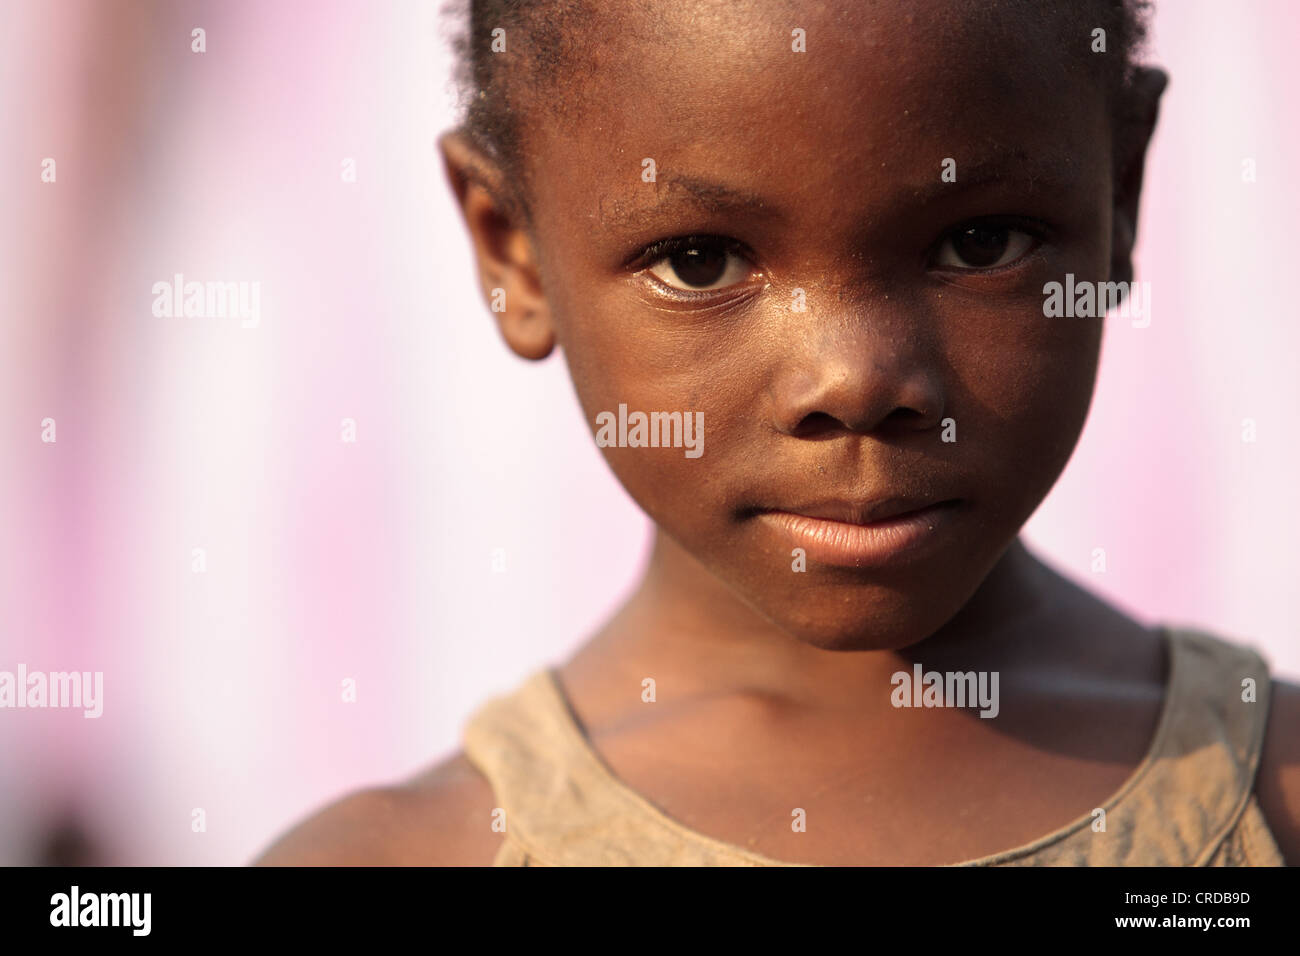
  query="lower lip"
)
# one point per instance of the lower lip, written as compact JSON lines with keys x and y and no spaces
{"x":863,"y":545}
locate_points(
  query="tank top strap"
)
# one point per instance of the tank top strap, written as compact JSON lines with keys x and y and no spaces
{"x":1195,"y":786}
{"x":1207,"y":762}
{"x":563,"y":806}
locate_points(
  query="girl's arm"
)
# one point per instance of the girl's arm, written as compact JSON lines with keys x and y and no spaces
{"x":1277,"y":784}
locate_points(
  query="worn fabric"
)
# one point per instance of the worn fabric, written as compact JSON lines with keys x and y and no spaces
{"x":1189,"y":803}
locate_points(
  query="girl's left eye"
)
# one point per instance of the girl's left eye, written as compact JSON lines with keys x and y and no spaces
{"x":698,"y":266}
{"x":981,"y":246}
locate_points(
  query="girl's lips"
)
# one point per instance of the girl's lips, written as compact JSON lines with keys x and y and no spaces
{"x":868,"y":544}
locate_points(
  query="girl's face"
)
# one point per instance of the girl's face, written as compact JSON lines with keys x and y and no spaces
{"x":802,"y":272}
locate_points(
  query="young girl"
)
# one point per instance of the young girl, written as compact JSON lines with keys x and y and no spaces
{"x":796,"y":260}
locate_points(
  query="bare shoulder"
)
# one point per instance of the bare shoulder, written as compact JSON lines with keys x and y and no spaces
{"x":441,"y":817}
{"x":1277,"y":784}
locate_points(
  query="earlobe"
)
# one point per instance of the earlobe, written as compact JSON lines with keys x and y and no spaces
{"x":507,"y":262}
{"x":1133,"y":136}
{"x":528,"y":332}
{"x":1123,"y":239}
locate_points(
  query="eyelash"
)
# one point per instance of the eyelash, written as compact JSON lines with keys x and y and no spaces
{"x":1037,"y":231}
{"x":663,"y":249}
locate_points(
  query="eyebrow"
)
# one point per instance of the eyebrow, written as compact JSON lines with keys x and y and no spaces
{"x":1013,"y":166}
{"x":686,"y":192}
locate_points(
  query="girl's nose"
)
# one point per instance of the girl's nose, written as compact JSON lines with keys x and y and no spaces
{"x":858,"y":375}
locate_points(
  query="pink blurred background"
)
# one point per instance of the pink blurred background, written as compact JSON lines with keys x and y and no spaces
{"x":372,"y":561}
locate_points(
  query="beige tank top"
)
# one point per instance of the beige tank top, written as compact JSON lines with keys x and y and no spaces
{"x":1189,"y":803}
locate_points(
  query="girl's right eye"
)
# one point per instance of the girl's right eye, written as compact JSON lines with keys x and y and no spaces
{"x":698,"y":264}
{"x":984,"y":246}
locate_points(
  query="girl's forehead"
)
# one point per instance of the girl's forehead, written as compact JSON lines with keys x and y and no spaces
{"x":813,"y":95}
{"x":781,"y":134}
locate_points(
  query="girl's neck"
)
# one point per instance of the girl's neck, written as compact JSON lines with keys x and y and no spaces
{"x":686,"y":625}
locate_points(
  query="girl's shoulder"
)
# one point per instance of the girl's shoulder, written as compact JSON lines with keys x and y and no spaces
{"x":444,"y":816}
{"x":1219,"y":666}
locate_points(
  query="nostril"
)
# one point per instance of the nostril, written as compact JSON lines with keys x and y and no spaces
{"x":823,"y":425}
{"x":905,"y":416}
{"x":818,"y":425}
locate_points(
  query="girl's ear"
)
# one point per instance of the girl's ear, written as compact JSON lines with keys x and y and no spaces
{"x":507,"y":262}
{"x":1132,"y":137}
